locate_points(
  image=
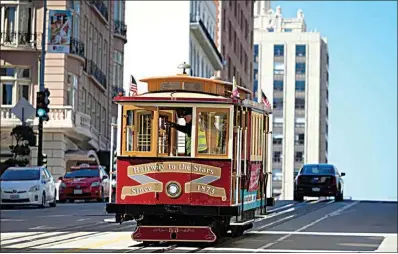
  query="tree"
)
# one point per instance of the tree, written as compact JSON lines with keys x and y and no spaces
{"x":24,"y":137}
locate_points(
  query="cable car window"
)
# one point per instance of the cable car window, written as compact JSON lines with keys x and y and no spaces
{"x":165,"y":86}
{"x":212,"y":132}
{"x":138,"y":130}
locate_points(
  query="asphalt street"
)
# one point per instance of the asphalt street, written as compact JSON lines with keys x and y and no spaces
{"x":310,"y":226}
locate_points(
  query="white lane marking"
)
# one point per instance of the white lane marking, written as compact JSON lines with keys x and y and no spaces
{"x":45,"y":240}
{"x":38,"y":235}
{"x":389,"y":244}
{"x":110,"y":220}
{"x":97,"y":241}
{"x":334,"y":213}
{"x":5,"y":220}
{"x":276,"y":250}
{"x":366,"y":245}
{"x":280,"y":208}
{"x":38,"y":227}
{"x":322,"y":233}
{"x":13,"y":235}
{"x":186,"y":248}
{"x":56,"y":215}
{"x":277,"y":221}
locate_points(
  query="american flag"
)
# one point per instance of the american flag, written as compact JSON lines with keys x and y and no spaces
{"x":133,"y":86}
{"x":265,"y":99}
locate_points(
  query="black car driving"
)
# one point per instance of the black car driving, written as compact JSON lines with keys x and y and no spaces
{"x":318,"y":180}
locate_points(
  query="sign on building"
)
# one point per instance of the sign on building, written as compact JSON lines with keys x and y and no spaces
{"x":59,"y":31}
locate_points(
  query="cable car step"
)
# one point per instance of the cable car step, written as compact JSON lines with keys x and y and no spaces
{"x":174,"y":234}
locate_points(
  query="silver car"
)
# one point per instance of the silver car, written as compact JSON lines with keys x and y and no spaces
{"x":27,"y":186}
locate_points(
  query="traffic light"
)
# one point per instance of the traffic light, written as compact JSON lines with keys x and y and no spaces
{"x":42,"y":103}
{"x":44,"y":160}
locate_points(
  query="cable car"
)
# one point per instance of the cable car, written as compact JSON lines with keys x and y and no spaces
{"x":191,"y":164}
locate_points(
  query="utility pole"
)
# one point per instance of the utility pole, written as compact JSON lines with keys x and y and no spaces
{"x":111,"y":160}
{"x":41,"y":87}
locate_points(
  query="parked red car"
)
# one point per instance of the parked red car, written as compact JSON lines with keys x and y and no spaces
{"x":84,"y":182}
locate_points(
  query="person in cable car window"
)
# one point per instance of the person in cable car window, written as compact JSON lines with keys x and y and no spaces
{"x":186,"y":113}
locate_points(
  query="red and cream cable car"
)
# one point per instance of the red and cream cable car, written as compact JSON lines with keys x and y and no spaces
{"x":192,"y":160}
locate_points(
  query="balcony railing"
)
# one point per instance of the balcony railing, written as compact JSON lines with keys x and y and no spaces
{"x":101,"y":7}
{"x":93,"y":70}
{"x":19,"y":39}
{"x":196,"y":18}
{"x":116,"y":90}
{"x":76,"y":47}
{"x":120,"y":28}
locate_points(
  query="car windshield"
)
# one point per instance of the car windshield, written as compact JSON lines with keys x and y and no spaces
{"x":83,"y":173}
{"x":21,"y":175}
{"x":317,"y":170}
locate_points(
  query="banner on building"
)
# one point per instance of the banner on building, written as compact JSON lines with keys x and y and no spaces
{"x":59,"y":32}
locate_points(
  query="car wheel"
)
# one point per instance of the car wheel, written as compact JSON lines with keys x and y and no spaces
{"x":54,"y":203}
{"x":43,"y":200}
{"x":298,"y":198}
{"x":102,"y":198}
{"x":339,"y":197}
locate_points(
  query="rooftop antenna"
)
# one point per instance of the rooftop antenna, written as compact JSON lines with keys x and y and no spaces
{"x":184,"y":66}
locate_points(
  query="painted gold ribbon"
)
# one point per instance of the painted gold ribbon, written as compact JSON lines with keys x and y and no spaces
{"x":148,"y":184}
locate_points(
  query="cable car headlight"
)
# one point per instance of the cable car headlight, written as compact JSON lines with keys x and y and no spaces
{"x":173,"y":189}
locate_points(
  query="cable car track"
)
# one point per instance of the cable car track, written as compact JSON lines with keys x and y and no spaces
{"x":302,"y":209}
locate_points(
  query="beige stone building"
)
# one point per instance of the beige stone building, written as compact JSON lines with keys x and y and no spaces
{"x":82,"y":83}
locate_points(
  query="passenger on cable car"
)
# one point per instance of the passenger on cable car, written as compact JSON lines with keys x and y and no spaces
{"x":186,"y":113}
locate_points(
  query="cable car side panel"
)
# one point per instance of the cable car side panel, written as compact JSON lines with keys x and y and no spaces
{"x":153,"y":181}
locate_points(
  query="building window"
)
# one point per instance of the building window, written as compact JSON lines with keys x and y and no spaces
{"x":98,"y":116}
{"x":278,"y":122}
{"x":277,"y":139}
{"x":73,"y":86}
{"x":118,"y":7}
{"x":279,"y":50}
{"x":75,"y":7}
{"x":17,"y":26}
{"x":82,"y":107}
{"x":300,"y":122}
{"x":277,"y":174}
{"x":105,"y":60}
{"x":300,"y":86}
{"x":277,"y":157}
{"x":15,"y":84}
{"x":300,"y":103}
{"x":279,"y":68}
{"x":299,"y":139}
{"x":117,"y":68}
{"x":278,"y":103}
{"x":299,"y":157}
{"x":300,"y":68}
{"x":300,"y":50}
{"x":278,"y":85}
{"x":95,"y":45}
{"x":288,"y":30}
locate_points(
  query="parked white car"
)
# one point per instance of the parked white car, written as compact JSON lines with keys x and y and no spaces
{"x":27,"y":186}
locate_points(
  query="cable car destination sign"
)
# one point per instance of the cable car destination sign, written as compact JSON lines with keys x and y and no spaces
{"x":139,"y":173}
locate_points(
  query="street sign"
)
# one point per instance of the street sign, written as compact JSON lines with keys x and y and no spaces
{"x":23,"y":110}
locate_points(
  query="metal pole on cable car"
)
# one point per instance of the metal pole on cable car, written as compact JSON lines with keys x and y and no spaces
{"x":113,"y":125}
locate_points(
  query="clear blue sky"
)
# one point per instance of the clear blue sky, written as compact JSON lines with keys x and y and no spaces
{"x":362,"y":39}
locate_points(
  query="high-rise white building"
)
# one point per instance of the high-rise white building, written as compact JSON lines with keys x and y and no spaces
{"x":166,"y":33}
{"x":291,"y":67}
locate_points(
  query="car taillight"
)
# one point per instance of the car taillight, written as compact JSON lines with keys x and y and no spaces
{"x":334,"y":181}
{"x":298,"y":180}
